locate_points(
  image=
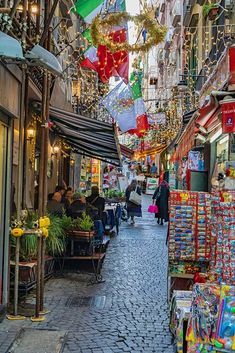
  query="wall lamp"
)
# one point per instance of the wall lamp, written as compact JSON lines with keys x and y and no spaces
{"x":31,"y":133}
{"x":56,"y":150}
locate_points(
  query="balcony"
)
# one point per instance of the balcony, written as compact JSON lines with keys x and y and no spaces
{"x":176,"y":12}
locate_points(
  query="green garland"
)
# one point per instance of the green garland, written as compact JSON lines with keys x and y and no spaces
{"x":156,"y":33}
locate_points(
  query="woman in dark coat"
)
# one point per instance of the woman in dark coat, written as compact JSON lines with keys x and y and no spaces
{"x":161,"y":197}
{"x":133,"y":210}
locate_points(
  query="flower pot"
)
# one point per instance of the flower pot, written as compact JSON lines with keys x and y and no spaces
{"x":213,"y":13}
{"x":81,"y":234}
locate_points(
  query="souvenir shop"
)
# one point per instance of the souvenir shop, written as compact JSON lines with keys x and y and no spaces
{"x":201,"y":239}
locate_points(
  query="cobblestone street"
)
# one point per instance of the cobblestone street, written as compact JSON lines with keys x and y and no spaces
{"x":129,"y":311}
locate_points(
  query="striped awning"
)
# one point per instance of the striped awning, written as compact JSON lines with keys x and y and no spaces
{"x":87,"y":136}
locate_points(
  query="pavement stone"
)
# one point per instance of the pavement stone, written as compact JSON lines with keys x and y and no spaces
{"x":133,"y":316}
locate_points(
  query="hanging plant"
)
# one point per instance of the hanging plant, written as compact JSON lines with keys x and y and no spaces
{"x":210,"y":11}
{"x":101,"y":26}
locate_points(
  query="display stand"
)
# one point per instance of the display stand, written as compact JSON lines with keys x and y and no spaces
{"x":188,"y":238}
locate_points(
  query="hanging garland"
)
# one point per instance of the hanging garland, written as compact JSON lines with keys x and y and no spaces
{"x":156,"y":33}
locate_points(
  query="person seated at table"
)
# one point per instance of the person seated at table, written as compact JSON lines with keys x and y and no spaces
{"x":54,"y":205}
{"x":96,"y":201}
{"x":68,"y":197}
{"x":77,"y":207}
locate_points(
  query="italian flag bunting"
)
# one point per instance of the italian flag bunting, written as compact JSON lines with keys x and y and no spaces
{"x":88,"y":9}
{"x":140,"y":109}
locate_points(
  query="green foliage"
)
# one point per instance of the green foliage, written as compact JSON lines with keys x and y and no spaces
{"x":83,"y":223}
{"x":115,"y":194}
{"x":208,"y":7}
{"x":55,"y":243}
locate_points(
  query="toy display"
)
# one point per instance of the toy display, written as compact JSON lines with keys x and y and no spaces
{"x":211,"y":325}
{"x":223,"y":236}
{"x":180,"y":310}
{"x":204,"y":313}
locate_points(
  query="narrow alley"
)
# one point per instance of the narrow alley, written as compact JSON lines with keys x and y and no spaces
{"x":129,"y":311}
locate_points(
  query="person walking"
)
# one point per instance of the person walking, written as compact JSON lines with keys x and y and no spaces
{"x":133,"y":210}
{"x":161,"y":196}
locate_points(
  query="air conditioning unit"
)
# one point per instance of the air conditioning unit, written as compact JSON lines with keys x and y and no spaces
{"x":229,"y":5}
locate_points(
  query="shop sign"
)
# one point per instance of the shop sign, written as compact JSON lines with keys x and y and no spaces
{"x":228,"y":117}
{"x":151,"y":185}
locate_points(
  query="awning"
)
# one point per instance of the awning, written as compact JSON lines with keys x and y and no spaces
{"x":10,"y":48}
{"x":87,"y":136}
{"x":126,"y":152}
{"x":42,"y":57}
{"x":206,"y":112}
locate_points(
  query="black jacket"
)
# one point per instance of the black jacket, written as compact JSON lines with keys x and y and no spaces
{"x":97,"y":202}
{"x":76,"y":209}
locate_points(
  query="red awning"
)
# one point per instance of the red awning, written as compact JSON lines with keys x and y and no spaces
{"x":206,"y":112}
{"x":214,"y":121}
{"x":126,"y":152}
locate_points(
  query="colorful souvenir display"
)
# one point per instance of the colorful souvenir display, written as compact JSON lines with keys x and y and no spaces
{"x":180,"y":310}
{"x":189,"y":233}
{"x":223,"y":236}
{"x":211,"y":325}
{"x":204,"y":314}
{"x":187,"y":267}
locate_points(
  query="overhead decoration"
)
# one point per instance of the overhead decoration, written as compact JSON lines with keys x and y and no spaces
{"x":142,"y":124}
{"x":101,"y":29}
{"x":121,"y":105}
{"x":105,"y":63}
{"x":126,"y":105}
{"x":87,"y":9}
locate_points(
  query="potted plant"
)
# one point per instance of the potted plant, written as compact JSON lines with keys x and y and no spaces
{"x":211,"y":10}
{"x":82,"y":226}
{"x":55,"y":245}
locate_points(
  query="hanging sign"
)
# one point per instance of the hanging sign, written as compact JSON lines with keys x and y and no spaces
{"x":228,"y":117}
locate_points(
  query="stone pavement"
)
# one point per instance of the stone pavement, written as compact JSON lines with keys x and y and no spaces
{"x":126,"y":313}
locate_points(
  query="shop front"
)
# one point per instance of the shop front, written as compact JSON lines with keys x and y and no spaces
{"x":5,"y":188}
{"x":9,"y":109}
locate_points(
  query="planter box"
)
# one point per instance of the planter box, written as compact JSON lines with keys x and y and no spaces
{"x":81,"y":234}
{"x":28,"y":272}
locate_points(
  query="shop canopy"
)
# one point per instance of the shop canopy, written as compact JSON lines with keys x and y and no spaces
{"x":126,"y":152}
{"x":10,"y":48}
{"x":42,"y":57}
{"x":87,"y":136}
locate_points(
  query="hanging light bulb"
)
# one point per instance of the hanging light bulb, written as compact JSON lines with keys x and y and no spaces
{"x":20,"y":7}
{"x":34,"y":8}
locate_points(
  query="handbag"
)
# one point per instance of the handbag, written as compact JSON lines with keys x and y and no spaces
{"x":153,"y":209}
{"x":135,"y":197}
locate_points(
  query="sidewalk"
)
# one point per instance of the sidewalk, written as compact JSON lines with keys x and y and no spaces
{"x":127,"y":313}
